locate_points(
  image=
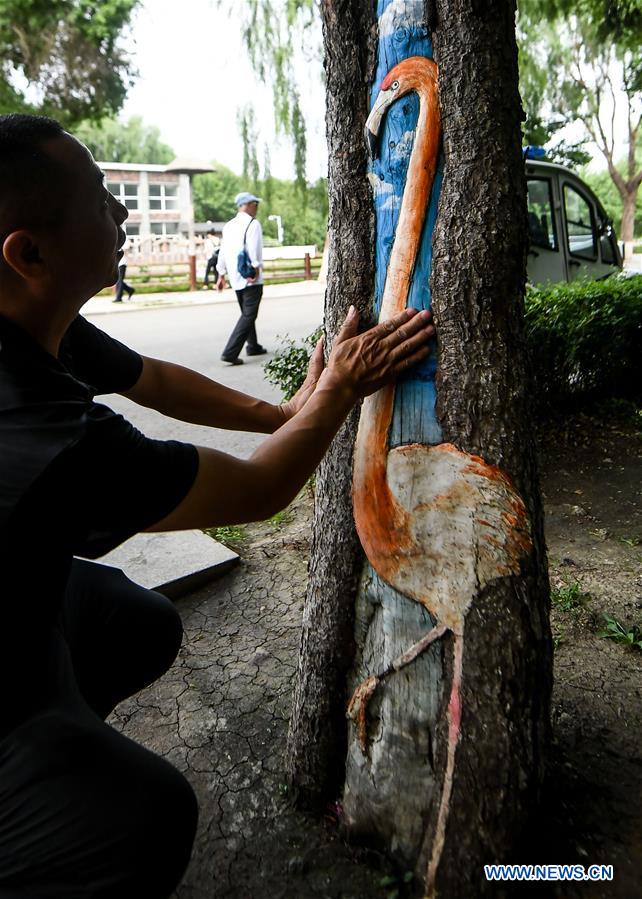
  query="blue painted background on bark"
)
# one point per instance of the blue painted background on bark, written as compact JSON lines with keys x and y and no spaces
{"x":414,"y":419}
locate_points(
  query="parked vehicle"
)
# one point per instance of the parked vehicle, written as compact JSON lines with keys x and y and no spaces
{"x":571,"y":235}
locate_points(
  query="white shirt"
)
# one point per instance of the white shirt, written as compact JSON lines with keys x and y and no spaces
{"x":232,"y":244}
{"x":209,"y":246}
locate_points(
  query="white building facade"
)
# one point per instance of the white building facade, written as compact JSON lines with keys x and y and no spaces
{"x":159,"y":202}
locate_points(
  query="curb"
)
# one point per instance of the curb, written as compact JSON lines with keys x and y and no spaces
{"x":106,"y":306}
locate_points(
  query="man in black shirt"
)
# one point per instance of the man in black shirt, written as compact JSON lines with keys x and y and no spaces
{"x":83,"y":810}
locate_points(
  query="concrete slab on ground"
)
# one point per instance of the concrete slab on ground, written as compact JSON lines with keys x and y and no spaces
{"x":174,"y":563}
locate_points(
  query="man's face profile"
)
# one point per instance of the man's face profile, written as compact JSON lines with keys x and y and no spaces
{"x":84,"y":245}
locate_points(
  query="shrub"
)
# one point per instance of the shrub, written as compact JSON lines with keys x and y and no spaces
{"x":585,"y":338}
{"x":288,"y":366}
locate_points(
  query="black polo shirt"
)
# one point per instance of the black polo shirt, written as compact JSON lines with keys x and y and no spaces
{"x":75,"y":479}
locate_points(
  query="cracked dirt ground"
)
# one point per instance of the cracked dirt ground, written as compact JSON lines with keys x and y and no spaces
{"x":220,"y":715}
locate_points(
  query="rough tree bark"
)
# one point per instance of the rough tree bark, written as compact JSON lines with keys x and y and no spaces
{"x":316,"y":742}
{"x":478,"y":272}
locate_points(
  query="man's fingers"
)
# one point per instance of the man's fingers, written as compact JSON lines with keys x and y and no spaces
{"x":402,"y":365}
{"x":410,"y":344}
{"x":349,"y":327}
{"x":404,"y":325}
{"x":315,"y":366}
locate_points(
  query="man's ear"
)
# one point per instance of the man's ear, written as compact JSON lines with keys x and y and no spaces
{"x":21,"y":252}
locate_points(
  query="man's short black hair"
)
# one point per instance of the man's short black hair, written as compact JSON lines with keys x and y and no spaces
{"x":32,"y":183}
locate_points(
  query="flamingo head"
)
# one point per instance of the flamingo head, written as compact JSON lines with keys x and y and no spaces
{"x":407,"y":76}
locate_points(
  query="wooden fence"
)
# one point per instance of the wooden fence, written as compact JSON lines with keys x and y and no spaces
{"x":172,"y":270}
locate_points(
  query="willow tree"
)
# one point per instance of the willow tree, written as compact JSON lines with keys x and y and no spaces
{"x":445,"y":758}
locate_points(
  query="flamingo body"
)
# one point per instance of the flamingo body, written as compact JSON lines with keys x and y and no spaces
{"x":436,"y":524}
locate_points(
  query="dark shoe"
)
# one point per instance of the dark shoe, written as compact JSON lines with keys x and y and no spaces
{"x":132,"y":292}
{"x":116,"y":301}
{"x":259,"y":351}
{"x":236,"y":361}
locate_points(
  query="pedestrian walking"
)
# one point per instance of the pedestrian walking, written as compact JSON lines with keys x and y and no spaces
{"x":121,"y":286}
{"x":241,"y":259}
{"x":211,"y":254}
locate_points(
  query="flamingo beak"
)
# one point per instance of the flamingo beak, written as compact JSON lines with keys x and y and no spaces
{"x":374,"y":120}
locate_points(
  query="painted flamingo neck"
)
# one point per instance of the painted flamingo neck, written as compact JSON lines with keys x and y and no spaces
{"x":376,"y":511}
{"x":416,"y":195}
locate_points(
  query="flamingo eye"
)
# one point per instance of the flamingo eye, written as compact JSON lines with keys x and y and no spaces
{"x":394,"y":85}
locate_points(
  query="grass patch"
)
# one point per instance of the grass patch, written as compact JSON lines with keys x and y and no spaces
{"x":229,"y":535}
{"x":568,"y":597}
{"x":624,"y":634}
{"x":280,"y":518}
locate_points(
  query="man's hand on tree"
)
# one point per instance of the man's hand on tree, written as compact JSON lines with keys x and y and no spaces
{"x":363,"y":363}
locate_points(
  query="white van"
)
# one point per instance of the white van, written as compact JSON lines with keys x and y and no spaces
{"x":571,"y":235}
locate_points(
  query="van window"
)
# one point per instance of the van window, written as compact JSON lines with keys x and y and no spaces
{"x":541,"y":222}
{"x":580,"y":224}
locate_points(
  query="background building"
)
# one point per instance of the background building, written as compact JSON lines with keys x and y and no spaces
{"x":159,"y":201}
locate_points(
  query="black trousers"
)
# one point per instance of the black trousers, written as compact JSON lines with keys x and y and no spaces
{"x":249,"y":300}
{"x":121,"y":285}
{"x":84,"y":811}
{"x":210,"y":267}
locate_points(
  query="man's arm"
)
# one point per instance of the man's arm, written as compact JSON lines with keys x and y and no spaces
{"x":229,"y":490}
{"x":254,"y":243}
{"x":189,"y":396}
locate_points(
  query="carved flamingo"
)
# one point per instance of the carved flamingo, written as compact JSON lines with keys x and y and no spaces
{"x":437,"y":524}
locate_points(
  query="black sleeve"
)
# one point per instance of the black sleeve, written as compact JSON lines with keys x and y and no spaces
{"x":118,"y":482}
{"x":101,"y":361}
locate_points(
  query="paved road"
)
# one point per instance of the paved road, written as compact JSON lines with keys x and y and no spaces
{"x":194,"y":336}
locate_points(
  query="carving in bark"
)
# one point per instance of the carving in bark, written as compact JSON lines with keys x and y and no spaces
{"x":459,"y":539}
{"x":392,"y":795}
{"x":437,"y":524}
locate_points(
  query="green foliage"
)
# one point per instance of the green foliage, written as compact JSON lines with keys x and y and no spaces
{"x":581,"y":62}
{"x":288,"y":367}
{"x":62,"y":57}
{"x":303,"y":222}
{"x":584,"y":339}
{"x":626,"y":635}
{"x":113,"y":141}
{"x":568,"y":597}
{"x":230,"y":535}
{"x":213,"y":194}
{"x":247,"y":127}
{"x":275,"y":32}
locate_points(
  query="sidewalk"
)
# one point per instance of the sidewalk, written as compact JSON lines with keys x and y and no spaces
{"x":104,"y":305}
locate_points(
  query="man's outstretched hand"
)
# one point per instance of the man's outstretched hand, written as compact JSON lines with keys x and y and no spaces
{"x":365,"y":362}
{"x":362,"y":363}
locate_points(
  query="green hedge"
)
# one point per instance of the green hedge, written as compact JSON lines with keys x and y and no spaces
{"x":585,"y":339}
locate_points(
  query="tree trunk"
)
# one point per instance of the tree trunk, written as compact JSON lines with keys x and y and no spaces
{"x":629,"y":199}
{"x":478,"y":283}
{"x":317,"y":736}
{"x":395,"y":790}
